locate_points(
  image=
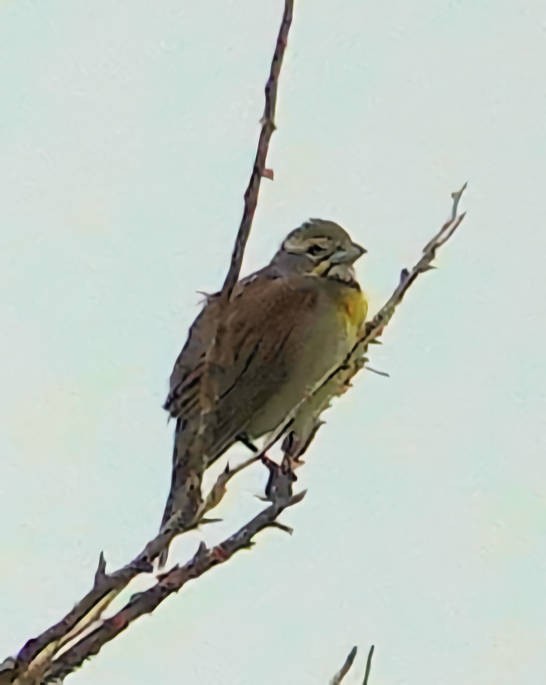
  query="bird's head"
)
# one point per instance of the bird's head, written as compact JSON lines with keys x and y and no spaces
{"x":319,"y":247}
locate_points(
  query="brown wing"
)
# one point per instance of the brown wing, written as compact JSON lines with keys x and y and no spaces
{"x":261,"y":323}
{"x":188,"y":368}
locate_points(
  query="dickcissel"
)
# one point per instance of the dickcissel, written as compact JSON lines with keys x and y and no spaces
{"x":284,"y":328}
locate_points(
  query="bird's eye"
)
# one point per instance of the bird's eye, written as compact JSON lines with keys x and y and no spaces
{"x":315,"y":250}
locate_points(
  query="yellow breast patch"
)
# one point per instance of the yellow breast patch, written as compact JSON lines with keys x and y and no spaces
{"x":355,"y":307}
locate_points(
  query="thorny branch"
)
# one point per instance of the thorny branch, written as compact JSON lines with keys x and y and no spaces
{"x":259,"y":169}
{"x":172,"y":581}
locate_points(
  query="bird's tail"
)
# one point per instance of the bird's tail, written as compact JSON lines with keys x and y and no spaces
{"x":191,"y":456}
{"x":185,"y":492}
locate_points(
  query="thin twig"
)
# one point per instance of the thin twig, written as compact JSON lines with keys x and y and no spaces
{"x":336,"y":680}
{"x":259,"y":169}
{"x":368,"y":665}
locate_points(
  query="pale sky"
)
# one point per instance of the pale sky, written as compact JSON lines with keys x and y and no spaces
{"x":127,"y":134}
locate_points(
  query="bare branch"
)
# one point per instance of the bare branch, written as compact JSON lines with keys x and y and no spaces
{"x":336,"y":680}
{"x":407,"y":277}
{"x":348,"y":664}
{"x":37,"y":653}
{"x":259,"y":169}
{"x":368,"y":665}
{"x":167,"y":584}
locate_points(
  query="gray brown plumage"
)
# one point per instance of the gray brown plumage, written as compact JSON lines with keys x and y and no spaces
{"x":284,"y":327}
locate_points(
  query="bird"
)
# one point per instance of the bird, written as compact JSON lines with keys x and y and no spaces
{"x":284,"y":327}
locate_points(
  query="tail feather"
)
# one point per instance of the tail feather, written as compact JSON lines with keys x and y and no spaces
{"x":185,"y":496}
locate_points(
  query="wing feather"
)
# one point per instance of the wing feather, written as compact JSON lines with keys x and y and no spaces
{"x":260,"y":323}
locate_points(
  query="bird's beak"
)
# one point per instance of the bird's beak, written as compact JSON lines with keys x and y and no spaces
{"x":348,"y":255}
{"x":359,"y":249}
